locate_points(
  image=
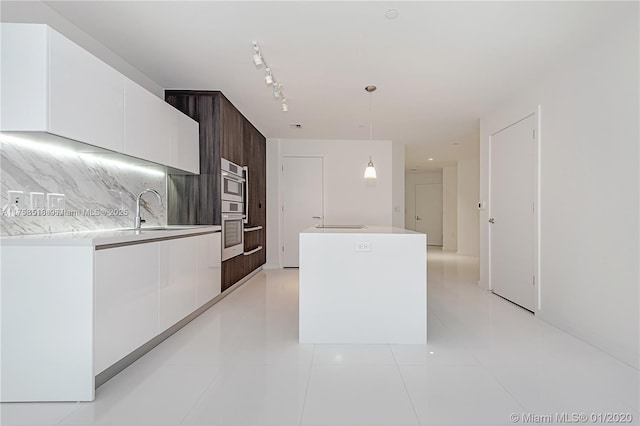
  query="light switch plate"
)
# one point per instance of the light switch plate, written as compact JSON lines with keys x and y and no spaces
{"x":55,"y":200}
{"x":36,"y":200}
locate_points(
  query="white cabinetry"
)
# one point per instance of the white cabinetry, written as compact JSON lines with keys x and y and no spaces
{"x":85,"y":96}
{"x":46,"y":344}
{"x":156,"y":131}
{"x":143,"y":289}
{"x":126,"y":301}
{"x":150,"y":126}
{"x":185,"y":153}
{"x":90,"y":302}
{"x":209,"y":268}
{"x":52,"y":85}
{"x":177,"y":290}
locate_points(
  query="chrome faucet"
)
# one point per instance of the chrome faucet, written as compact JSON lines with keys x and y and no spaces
{"x":139,"y":219}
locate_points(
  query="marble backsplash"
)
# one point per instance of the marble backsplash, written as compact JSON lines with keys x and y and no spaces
{"x":65,"y":191}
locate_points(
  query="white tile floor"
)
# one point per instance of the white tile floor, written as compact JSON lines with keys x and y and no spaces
{"x":240,"y":364}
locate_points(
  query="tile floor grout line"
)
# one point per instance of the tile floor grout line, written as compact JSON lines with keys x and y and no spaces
{"x":306,"y":391}
{"x":199,"y":398}
{"x":406,"y":389}
{"x":78,"y":405}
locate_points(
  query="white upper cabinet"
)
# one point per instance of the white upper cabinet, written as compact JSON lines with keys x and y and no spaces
{"x":156,"y":131}
{"x":150,"y":125}
{"x":85,"y":96}
{"x":185,"y":154}
{"x":50,"y":84}
{"x":23,"y":54}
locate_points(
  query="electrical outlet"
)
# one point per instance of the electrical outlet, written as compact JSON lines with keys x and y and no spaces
{"x":36,"y":200}
{"x":16,"y":198}
{"x":363,"y":246}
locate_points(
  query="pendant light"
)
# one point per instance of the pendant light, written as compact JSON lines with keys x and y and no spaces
{"x":370,"y":171}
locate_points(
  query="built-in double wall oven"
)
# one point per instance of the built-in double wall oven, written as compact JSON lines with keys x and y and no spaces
{"x":233,"y":190}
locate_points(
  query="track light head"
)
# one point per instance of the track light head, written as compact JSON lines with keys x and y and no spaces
{"x":257,"y":56}
{"x":277,"y":90}
{"x":268,"y":78}
{"x":285,"y":107}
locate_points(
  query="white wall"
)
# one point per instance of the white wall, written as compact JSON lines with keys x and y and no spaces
{"x":397,"y":191}
{"x":411,"y":180}
{"x":468,"y":189}
{"x":450,"y":208}
{"x":589,"y":191}
{"x":348,"y":197}
{"x":39,"y":13}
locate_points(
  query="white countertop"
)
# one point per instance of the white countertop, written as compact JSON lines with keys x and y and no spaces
{"x":366,"y":230}
{"x":107,"y":236}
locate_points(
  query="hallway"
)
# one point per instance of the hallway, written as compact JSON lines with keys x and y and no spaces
{"x":240,"y":364}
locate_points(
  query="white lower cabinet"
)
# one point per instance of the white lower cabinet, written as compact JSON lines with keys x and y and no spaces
{"x":209,"y":271}
{"x":126,"y":301}
{"x":141,"y":290}
{"x":69,"y":312}
{"x":177,"y":289}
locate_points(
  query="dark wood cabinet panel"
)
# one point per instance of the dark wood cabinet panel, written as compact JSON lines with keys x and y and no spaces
{"x":254,"y":150}
{"x":233,"y":270}
{"x":195,"y":200}
{"x":232,"y":126}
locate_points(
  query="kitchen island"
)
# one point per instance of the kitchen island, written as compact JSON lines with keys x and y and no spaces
{"x":363,"y":285}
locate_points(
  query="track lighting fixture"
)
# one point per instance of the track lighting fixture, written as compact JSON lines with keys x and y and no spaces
{"x":257,"y":56}
{"x":259,"y":60}
{"x":268,"y":78}
{"x":277,"y":90}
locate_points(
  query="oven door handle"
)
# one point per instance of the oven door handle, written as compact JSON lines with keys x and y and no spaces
{"x":233,"y":177}
{"x":232,"y":216}
{"x":246,"y":194}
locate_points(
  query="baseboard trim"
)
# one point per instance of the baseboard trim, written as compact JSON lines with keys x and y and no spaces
{"x":598,"y":342}
{"x":117,"y":367}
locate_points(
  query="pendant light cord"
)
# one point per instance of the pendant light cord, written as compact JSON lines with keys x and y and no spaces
{"x":370,"y":124}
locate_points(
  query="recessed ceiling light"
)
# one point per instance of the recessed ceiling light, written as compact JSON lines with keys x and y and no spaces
{"x":391,"y":14}
{"x":430,"y":159}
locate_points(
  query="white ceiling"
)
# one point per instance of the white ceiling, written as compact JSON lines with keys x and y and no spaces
{"x":438,"y":67}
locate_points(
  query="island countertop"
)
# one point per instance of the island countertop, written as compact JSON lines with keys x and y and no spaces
{"x":367,"y":229}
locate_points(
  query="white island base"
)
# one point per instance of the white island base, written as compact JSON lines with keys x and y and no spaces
{"x":366,"y":286}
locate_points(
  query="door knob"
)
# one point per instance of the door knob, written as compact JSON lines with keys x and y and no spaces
{"x":418,"y":218}
{"x":492,"y":220}
{"x":316,"y":217}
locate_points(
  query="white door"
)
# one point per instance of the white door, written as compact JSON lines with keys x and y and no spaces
{"x":512,"y":217}
{"x":429,"y":212}
{"x":302,"y":198}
